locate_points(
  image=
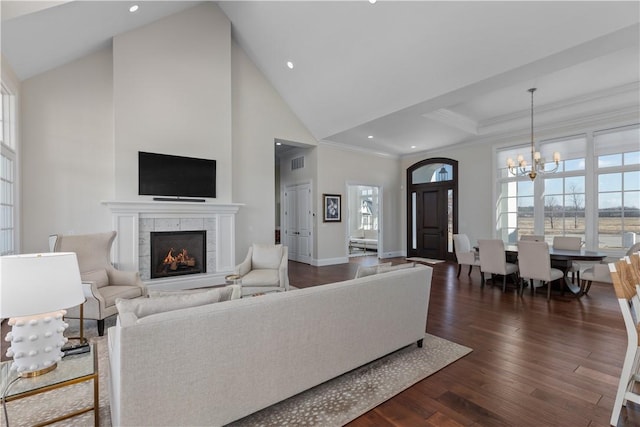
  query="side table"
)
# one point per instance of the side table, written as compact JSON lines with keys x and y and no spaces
{"x":71,"y":370}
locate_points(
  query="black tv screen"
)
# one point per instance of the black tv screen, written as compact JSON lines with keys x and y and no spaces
{"x":175,"y":176}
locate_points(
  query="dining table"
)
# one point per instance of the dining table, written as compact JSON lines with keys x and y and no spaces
{"x":561,"y":259}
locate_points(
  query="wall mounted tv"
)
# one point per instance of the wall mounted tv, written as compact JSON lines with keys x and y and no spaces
{"x":175,"y":176}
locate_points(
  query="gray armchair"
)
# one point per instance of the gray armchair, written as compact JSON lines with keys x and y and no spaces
{"x":264,"y":269}
{"x":101,"y":282}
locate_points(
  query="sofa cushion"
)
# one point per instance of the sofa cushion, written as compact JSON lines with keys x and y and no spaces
{"x":370,"y":270}
{"x":100,"y":277}
{"x":142,"y":307}
{"x":113,"y":293}
{"x":266,"y":256}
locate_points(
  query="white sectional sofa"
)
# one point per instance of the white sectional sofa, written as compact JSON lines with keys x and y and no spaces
{"x":216,"y":363}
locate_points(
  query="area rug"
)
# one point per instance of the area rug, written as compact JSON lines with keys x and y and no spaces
{"x":333,"y":403}
{"x":425,"y":260}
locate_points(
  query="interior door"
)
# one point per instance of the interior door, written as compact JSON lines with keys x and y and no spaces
{"x":298,"y":222}
{"x":431,"y":221}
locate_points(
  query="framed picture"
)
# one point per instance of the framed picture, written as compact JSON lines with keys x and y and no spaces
{"x":332,"y":207}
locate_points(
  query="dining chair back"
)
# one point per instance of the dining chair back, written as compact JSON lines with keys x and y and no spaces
{"x":464,"y":252}
{"x":570,"y":243}
{"x":532,"y":237}
{"x":627,"y":295}
{"x":534,"y":263}
{"x":493,"y":260}
{"x":633,"y":249}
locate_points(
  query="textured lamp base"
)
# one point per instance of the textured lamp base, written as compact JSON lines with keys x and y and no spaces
{"x":36,"y":342}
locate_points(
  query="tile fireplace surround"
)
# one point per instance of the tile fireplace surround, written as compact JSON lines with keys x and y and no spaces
{"x":135,"y":220}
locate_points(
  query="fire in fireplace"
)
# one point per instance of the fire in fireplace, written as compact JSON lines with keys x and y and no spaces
{"x":175,"y":253}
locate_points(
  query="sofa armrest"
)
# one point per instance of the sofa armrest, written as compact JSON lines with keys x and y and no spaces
{"x":283,"y":270}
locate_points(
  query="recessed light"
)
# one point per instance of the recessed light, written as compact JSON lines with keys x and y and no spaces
{"x":134,"y":8}
{"x":413,"y":146}
{"x":372,"y":1}
{"x":370,"y":137}
{"x":290,"y":65}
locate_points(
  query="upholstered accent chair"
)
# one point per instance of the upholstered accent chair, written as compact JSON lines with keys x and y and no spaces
{"x":534,"y":263}
{"x":264,"y":269}
{"x":493,"y":260}
{"x":465,"y":253}
{"x":102,"y":283}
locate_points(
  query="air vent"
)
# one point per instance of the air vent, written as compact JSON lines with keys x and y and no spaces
{"x":297,"y":163}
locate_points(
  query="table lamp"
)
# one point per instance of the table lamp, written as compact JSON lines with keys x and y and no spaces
{"x":34,"y":291}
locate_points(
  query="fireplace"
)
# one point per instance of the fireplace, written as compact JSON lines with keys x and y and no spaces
{"x":176,"y":253}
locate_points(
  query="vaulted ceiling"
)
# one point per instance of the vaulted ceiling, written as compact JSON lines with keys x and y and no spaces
{"x":412,"y":75}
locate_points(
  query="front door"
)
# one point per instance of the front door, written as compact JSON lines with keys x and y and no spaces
{"x":431,"y":223}
{"x":432,"y":208}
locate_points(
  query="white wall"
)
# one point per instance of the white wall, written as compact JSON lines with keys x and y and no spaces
{"x":172,"y":94}
{"x":67,"y":150}
{"x":259,"y":117}
{"x":339,"y":167}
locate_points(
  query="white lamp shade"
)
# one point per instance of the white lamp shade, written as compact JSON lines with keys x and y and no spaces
{"x":39,"y":283}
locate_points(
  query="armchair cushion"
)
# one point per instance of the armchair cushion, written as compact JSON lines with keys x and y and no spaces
{"x":266,"y":257}
{"x":99,"y":277}
{"x":261,"y":277}
{"x":111,"y":293}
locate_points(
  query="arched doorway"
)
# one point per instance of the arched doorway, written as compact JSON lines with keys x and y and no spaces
{"x":432,"y":208}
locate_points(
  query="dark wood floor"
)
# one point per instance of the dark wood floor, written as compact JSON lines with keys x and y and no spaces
{"x":534,"y":363}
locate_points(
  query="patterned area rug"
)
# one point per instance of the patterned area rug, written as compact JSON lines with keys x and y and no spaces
{"x":333,"y":403}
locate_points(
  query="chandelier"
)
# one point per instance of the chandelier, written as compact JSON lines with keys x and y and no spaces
{"x":537,"y":162}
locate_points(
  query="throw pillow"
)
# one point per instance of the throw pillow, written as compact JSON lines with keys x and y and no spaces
{"x":100,"y":277}
{"x":142,"y":307}
{"x":370,"y":270}
{"x":385,"y":268}
{"x":266,"y":256}
{"x":226,"y":293}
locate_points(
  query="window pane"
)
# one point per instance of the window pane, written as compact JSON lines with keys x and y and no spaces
{"x":525,"y":188}
{"x":610,"y":182}
{"x":608,"y":161}
{"x":610,"y":230}
{"x":553,"y":186}
{"x":609,"y":200}
{"x":574,"y":165}
{"x":632,"y":158}
{"x":631,"y":201}
{"x":632,"y":180}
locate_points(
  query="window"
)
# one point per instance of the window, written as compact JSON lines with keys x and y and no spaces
{"x":618,"y":187}
{"x":7,"y":174}
{"x":594,"y":194}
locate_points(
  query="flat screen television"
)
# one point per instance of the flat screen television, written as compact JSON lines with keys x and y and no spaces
{"x":175,"y":176}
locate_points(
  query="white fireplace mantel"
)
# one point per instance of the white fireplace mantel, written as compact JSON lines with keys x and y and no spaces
{"x":133,"y":221}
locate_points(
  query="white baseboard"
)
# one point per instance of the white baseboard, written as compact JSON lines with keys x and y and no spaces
{"x":329,"y":261}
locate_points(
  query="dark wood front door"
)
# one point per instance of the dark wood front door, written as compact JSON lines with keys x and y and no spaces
{"x":432,"y":215}
{"x":431,"y":221}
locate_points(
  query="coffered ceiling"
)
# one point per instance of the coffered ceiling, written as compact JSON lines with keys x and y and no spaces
{"x":413,"y":75}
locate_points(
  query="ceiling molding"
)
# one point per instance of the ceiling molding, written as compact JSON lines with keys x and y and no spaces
{"x":486,"y":127}
{"x":454,"y":119}
{"x":357,"y":149}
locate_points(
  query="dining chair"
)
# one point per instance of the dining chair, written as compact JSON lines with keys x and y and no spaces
{"x":595,"y":273}
{"x":532,"y":237}
{"x":633,"y":249}
{"x":493,"y":260}
{"x":534,"y":263}
{"x":627,"y":295}
{"x":464,"y":252}
{"x":569,"y":243}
